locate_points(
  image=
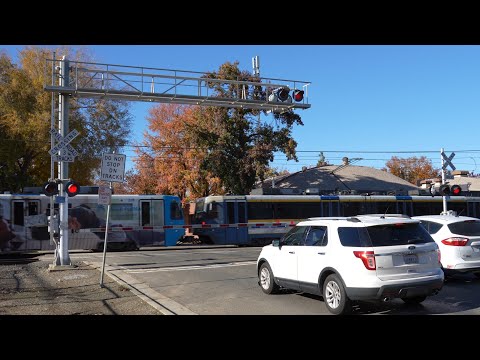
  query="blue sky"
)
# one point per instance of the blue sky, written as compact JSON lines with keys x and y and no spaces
{"x":371,"y":102}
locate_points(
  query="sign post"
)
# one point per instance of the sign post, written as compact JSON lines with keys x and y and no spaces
{"x":113,"y":170}
{"x":446,"y":161}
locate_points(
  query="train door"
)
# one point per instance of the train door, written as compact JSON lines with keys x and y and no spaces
{"x":331,"y":208}
{"x":22,"y":208}
{"x":404,"y":206}
{"x":151,"y":215}
{"x":473,"y":209}
{"x":236,"y":213}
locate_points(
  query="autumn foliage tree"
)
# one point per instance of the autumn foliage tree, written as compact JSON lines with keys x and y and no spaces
{"x":411,"y":169}
{"x":238,"y":145}
{"x":168,"y":160}
{"x":25,"y":121}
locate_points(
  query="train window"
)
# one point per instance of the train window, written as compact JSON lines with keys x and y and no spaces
{"x":423,"y":208}
{"x":55,"y":207}
{"x":287,"y":210}
{"x":459,"y":207}
{"x":351,"y":208}
{"x":121,"y":211}
{"x":473,"y":209}
{"x":145,"y":213}
{"x":175,"y":211}
{"x":309,"y":209}
{"x":260,"y":210}
{"x":241,"y":213}
{"x":33,"y":207}
{"x":231,"y":212}
{"x":212,"y":210}
{"x":383,"y":207}
{"x":326,"y":208}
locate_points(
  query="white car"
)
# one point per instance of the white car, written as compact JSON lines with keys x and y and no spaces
{"x":363,"y":257}
{"x":458,"y":238}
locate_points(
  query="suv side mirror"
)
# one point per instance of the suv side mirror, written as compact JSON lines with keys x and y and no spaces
{"x":276,"y":243}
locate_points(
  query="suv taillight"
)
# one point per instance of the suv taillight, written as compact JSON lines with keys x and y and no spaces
{"x":368,"y":258}
{"x":439,"y":256}
{"x":455,"y":241}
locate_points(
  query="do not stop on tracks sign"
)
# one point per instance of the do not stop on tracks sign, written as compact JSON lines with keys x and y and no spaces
{"x":113,"y":167}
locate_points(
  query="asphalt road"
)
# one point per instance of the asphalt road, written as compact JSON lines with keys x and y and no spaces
{"x":223,"y":281}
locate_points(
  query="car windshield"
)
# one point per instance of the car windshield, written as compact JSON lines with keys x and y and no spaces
{"x":398,"y":234}
{"x":467,"y":228}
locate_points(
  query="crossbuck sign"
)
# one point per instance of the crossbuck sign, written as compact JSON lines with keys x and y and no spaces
{"x":448,"y":161}
{"x":67,"y":151}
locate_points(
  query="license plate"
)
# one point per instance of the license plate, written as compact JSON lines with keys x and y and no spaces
{"x":410,"y":259}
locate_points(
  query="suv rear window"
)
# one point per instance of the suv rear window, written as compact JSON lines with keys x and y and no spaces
{"x":467,"y":228}
{"x":354,"y":236}
{"x":384,"y":235}
{"x":398,"y":234}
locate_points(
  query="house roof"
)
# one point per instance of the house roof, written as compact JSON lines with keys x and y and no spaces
{"x":333,"y":178}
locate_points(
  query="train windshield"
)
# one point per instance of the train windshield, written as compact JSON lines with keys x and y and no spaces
{"x":199,"y":211}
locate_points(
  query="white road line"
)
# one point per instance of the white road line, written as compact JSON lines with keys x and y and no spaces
{"x":160,"y":302}
{"x":191,"y":267}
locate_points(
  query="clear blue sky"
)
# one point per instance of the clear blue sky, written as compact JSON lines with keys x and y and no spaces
{"x":371,"y":102}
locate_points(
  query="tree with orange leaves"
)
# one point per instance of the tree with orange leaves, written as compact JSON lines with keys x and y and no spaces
{"x":168,"y":160}
{"x":411,"y":169}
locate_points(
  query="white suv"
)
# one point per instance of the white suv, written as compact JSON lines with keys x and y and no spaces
{"x":458,"y":238}
{"x":363,"y":257}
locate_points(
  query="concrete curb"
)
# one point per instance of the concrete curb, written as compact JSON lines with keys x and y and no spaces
{"x":160,"y":302}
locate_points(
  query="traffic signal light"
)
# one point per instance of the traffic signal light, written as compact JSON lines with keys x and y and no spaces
{"x":50,"y":188}
{"x":280,"y":95}
{"x":72,"y":188}
{"x":298,"y":95}
{"x":455,"y":190}
{"x":444,"y":190}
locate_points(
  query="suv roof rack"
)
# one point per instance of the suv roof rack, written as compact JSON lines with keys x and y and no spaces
{"x":328,"y":218}
{"x":385,"y":215}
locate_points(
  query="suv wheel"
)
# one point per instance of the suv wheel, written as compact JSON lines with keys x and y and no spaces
{"x":266,"y":280}
{"x":414,"y":300}
{"x":335,"y":297}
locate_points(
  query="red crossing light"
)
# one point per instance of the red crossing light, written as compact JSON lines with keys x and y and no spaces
{"x":72,"y":188}
{"x":298,"y":95}
{"x":455,"y":190}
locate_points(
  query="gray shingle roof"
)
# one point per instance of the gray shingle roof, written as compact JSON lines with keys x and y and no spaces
{"x":359,"y":178}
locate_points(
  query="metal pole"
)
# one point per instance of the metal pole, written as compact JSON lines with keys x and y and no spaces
{"x":106,"y":238}
{"x":52,"y":163}
{"x":443,"y":181}
{"x":64,"y":258}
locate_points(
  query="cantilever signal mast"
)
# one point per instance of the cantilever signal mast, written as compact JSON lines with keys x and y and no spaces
{"x":132,"y":83}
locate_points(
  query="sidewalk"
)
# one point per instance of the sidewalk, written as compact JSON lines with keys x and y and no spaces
{"x":27,"y":287}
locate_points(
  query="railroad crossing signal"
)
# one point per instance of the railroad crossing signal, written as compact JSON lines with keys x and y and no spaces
{"x":448,"y":161}
{"x":67,"y":151}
